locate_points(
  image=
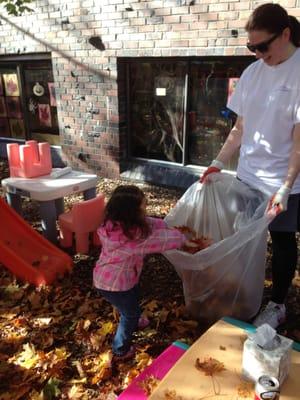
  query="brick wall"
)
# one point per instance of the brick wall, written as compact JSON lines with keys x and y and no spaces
{"x":91,"y":125}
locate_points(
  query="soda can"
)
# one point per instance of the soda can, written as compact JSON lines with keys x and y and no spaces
{"x":267,"y":388}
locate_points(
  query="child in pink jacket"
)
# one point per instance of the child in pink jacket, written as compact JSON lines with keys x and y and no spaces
{"x":127,"y":235}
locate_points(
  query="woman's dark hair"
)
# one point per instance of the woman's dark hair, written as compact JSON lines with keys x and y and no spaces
{"x":274,"y":19}
{"x":124,"y":208}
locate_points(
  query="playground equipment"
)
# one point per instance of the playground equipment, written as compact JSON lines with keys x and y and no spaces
{"x":26,"y":253}
{"x":84,"y":218}
{"x":29,"y":160}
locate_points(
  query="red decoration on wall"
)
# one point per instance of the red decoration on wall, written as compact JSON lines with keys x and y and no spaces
{"x":45,"y":115}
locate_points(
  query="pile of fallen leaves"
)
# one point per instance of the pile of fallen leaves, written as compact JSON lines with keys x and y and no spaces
{"x":55,"y":340}
{"x":195,"y":243}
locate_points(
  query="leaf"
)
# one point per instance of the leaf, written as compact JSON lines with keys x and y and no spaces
{"x":210,"y":366}
{"x":35,"y":299}
{"x":143,"y":359}
{"x":107,"y":328}
{"x":16,"y":393}
{"x":245,"y":390}
{"x":152,"y":305}
{"x":40,"y":322}
{"x":102,"y":367}
{"x":28,"y":358}
{"x":51,"y":389}
{"x":149,"y":384}
{"x":76,"y":392}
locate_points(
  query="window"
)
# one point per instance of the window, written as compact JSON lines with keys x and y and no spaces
{"x":157,"y":109}
{"x":27,"y":99}
{"x":177,"y":108}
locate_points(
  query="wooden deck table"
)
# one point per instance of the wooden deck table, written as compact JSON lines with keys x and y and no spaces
{"x":224,"y":342}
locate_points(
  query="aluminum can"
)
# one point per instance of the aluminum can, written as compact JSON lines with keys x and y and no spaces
{"x":267,"y":388}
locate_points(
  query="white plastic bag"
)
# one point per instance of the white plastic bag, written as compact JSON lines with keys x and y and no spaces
{"x":227,"y":278}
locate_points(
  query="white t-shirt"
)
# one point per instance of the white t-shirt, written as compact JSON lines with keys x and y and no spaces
{"x":268,"y":100}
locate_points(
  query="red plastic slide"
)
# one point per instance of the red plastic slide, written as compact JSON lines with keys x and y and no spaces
{"x":26,"y":253}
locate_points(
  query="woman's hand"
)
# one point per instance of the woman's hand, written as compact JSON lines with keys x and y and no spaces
{"x":215,"y":166}
{"x":278,"y":202}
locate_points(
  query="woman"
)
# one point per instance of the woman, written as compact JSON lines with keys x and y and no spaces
{"x":267,"y":130}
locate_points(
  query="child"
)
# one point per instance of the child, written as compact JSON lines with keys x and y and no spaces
{"x":127,"y":235}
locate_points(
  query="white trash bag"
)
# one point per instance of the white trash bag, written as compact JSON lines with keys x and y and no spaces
{"x":226,"y":278}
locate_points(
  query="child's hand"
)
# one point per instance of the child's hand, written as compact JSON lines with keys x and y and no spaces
{"x":190,"y":247}
{"x":194,"y":245}
{"x":186,"y":231}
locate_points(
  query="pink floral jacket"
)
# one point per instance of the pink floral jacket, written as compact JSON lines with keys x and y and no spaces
{"x":121,"y":259}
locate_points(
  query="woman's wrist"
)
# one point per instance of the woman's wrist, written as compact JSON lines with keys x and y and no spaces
{"x":217,"y":164}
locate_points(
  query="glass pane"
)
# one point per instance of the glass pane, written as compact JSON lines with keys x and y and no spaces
{"x":209,"y":121}
{"x":156,"y":112}
{"x":40,"y":99}
{"x":11,"y":111}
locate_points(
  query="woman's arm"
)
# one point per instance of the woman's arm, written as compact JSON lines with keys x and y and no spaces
{"x":230,"y":146}
{"x":279,"y":200}
{"x":294,"y":161}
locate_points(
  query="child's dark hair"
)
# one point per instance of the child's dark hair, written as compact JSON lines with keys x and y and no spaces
{"x":124,"y":207}
{"x":273,"y":18}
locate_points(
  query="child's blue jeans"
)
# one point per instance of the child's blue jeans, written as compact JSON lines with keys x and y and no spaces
{"x":127,"y":303}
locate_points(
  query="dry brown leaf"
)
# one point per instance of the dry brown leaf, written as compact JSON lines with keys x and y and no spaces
{"x":149,"y":384}
{"x":210,"y":366}
{"x":172,"y":395}
{"x":245,"y":390}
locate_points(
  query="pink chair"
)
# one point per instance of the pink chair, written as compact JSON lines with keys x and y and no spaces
{"x":84,"y":218}
{"x":30,"y":159}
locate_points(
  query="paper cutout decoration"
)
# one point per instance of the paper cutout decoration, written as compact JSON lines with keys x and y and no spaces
{"x":38,"y":89}
{"x":17,"y":128}
{"x":11,"y":84}
{"x":13,"y":106}
{"x":32,"y":105}
{"x":4,"y":127}
{"x":52,"y":94}
{"x":232,"y":82}
{"x":45,"y":115}
{"x":3,"y":112}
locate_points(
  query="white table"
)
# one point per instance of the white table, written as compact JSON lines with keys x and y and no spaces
{"x":50,"y":193}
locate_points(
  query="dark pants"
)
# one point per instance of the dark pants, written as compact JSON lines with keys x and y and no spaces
{"x":127,"y":303}
{"x":284,"y":245}
{"x":284,"y":262}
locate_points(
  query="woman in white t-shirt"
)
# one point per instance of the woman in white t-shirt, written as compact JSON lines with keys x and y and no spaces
{"x":267,"y":131}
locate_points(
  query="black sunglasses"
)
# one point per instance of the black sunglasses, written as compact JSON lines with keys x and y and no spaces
{"x":262,"y":47}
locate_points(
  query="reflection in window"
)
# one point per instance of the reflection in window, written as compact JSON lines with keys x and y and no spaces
{"x":40,"y":99}
{"x":157,"y":100}
{"x":28,"y":107}
{"x":11,"y":112}
{"x":159,"y":117}
{"x":211,"y":84}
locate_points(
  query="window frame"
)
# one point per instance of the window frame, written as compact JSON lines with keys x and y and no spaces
{"x":126,"y":61}
{"x":19,"y":63}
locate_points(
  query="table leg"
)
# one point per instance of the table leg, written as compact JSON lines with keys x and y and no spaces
{"x":89,"y":193}
{"x":59,"y":205}
{"x":14,"y":200}
{"x":48,"y":219}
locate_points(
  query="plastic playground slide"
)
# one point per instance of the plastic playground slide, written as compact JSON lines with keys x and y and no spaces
{"x":26,"y":253}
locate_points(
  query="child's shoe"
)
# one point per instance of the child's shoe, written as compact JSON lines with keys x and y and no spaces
{"x":143,"y":322}
{"x":126,"y":356}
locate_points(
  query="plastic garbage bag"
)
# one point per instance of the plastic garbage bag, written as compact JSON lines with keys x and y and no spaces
{"x":227,"y":278}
